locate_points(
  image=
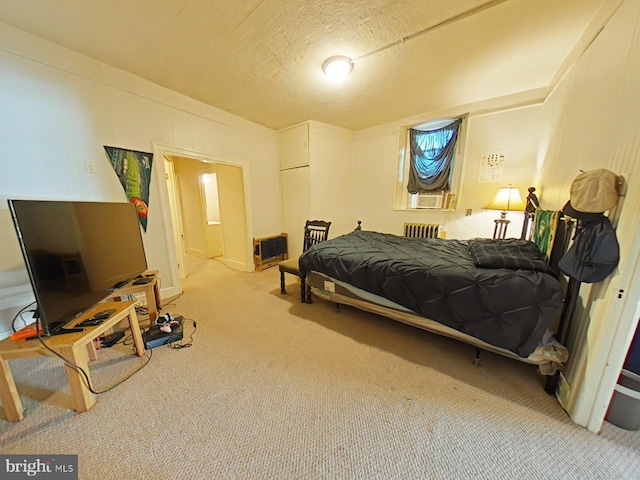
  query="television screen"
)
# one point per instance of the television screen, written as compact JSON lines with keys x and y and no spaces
{"x":76,"y":253}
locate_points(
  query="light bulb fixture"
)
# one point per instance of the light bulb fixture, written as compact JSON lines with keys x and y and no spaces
{"x":337,"y":68}
{"x":507,"y":198}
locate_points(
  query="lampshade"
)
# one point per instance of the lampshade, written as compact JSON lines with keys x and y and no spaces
{"x":337,"y":68}
{"x":507,"y":198}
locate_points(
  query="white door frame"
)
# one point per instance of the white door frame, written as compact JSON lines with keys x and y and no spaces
{"x":161,"y":150}
{"x":624,"y":318}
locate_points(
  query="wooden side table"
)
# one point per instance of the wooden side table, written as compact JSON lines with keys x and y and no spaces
{"x":75,"y":347}
{"x":150,"y":290}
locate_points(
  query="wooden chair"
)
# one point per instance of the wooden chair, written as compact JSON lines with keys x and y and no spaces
{"x":315,"y":231}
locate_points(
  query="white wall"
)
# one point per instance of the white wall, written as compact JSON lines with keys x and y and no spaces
{"x":516,"y":131}
{"x":593,"y":123}
{"x":58,"y":110}
{"x":330,"y":163}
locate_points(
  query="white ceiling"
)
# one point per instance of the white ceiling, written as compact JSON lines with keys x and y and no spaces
{"x":261,"y":59}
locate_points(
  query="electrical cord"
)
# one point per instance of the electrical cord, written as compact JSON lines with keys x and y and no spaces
{"x":181,"y":345}
{"x":461,"y":220}
{"x":85,"y":376}
{"x":21,"y":312}
{"x":171,"y":303}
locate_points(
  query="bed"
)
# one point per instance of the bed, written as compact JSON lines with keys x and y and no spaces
{"x":497,"y":295}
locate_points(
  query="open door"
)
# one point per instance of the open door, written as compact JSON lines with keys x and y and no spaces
{"x":233,"y":215}
{"x":176,"y":220}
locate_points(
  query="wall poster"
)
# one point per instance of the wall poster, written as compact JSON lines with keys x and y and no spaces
{"x":133,"y":168}
{"x":491,"y":166}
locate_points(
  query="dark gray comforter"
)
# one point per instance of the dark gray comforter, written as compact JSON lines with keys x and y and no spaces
{"x":509,"y":301}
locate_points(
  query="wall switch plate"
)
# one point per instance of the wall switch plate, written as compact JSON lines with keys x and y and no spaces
{"x":89,"y":167}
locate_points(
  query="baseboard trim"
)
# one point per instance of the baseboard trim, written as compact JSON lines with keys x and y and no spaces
{"x":196,"y":253}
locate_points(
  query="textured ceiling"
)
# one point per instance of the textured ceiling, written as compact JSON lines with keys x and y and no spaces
{"x":261,"y":59}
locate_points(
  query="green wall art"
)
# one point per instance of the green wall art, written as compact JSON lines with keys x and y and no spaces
{"x":133,"y":168}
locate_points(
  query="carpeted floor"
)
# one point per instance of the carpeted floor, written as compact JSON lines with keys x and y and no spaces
{"x":273,"y":388}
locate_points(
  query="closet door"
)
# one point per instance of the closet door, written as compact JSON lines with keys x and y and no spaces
{"x":295,"y":206}
{"x":294,"y":146}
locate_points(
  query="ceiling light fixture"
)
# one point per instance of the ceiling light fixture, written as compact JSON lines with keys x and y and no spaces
{"x":337,"y":68}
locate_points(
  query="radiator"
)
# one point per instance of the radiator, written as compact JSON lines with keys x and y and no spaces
{"x":421,"y":230}
{"x":269,"y":251}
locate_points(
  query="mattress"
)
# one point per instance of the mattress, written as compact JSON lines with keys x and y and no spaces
{"x":501,"y":292}
{"x":549,"y":355}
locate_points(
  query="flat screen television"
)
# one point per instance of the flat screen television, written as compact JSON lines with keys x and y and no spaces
{"x":76,"y":254}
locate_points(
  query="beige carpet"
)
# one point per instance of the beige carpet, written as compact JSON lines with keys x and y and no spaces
{"x":273,"y":388}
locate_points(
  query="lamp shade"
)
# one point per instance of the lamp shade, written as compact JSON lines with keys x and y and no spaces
{"x":507,"y":198}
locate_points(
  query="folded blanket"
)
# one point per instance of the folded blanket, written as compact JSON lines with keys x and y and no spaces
{"x":516,"y":254}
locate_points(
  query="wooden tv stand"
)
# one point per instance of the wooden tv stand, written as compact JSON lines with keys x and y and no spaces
{"x":77,"y":348}
{"x":150,"y":290}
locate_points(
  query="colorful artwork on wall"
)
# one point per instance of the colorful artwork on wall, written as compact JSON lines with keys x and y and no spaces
{"x":133,"y":169}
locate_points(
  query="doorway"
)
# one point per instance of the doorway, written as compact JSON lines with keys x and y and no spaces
{"x":207,"y":222}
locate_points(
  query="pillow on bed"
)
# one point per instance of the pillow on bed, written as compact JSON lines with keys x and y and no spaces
{"x":515,"y":254}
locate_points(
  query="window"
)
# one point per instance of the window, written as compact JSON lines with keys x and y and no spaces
{"x":429,"y":165}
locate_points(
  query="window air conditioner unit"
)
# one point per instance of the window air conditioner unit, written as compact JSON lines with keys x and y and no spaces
{"x":428,"y":200}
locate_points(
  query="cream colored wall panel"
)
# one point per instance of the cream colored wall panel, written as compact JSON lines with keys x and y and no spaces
{"x":197,"y":133}
{"x":229,"y":139}
{"x":215,"y":240}
{"x":265,"y":180}
{"x":294,"y":146}
{"x":295,"y":206}
{"x":329,"y":131}
{"x":181,"y":124}
{"x":163,"y":124}
{"x":136,"y":120}
{"x":374,"y":171}
{"x":211,"y":142}
{"x":331,"y":171}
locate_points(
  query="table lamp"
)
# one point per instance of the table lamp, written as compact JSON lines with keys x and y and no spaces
{"x":507,"y":198}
